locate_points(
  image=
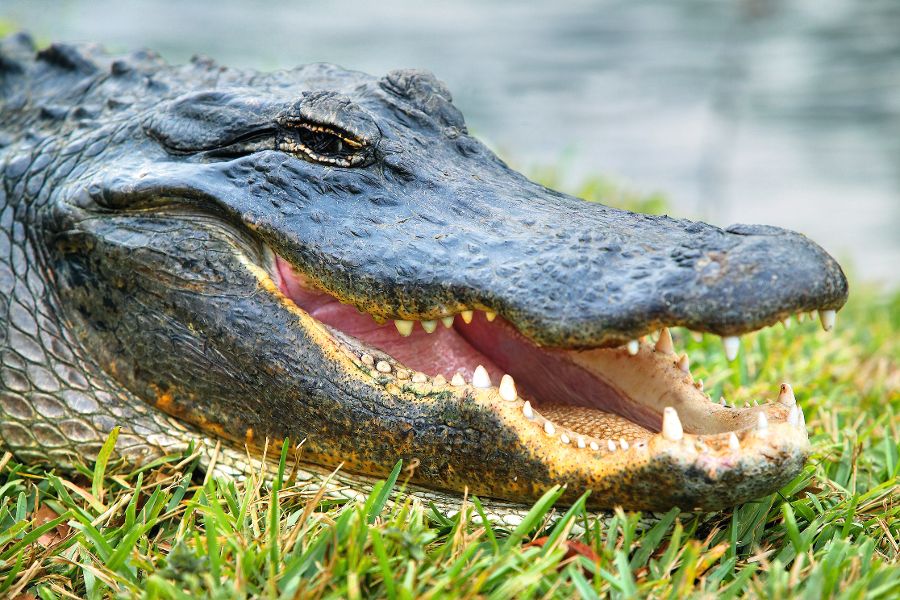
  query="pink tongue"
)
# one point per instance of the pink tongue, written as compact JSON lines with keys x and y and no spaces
{"x":443,"y":352}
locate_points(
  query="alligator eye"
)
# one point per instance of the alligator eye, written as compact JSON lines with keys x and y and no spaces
{"x":322,"y":144}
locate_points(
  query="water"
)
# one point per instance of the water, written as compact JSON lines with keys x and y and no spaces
{"x":759,"y":111}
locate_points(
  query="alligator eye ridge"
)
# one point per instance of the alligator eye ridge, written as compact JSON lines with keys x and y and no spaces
{"x":322,"y":144}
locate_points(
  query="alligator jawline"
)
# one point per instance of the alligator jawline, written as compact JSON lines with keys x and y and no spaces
{"x":633,"y":398}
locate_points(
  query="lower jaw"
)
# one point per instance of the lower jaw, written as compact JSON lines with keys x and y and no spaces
{"x":617,"y":421}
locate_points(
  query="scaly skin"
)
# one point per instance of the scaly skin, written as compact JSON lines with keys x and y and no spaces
{"x":141,"y":211}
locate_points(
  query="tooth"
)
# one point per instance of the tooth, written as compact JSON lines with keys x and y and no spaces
{"x":368,"y":359}
{"x":402,"y":374}
{"x":467,"y":316}
{"x":580,"y":442}
{"x":786,"y":322}
{"x":812,"y":315}
{"x":480,"y":378}
{"x":746,"y":405}
{"x":458,"y":380}
{"x":447,"y":321}
{"x":611,"y":445}
{"x":594,"y":446}
{"x":404,"y":327}
{"x":762,"y":423}
{"x":722,"y":401}
{"x":490,"y":315}
{"x":684,"y":363}
{"x":732,"y":344}
{"x":699,"y":384}
{"x":794,"y":416}
{"x":827,"y":318}
{"x":801,"y":317}
{"x":429,"y":326}
{"x":664,"y":344}
{"x":564,"y":438}
{"x":733,"y":442}
{"x":440,"y":380}
{"x":623,"y":443}
{"x":633,"y":346}
{"x":786,"y":395}
{"x":527,"y":411}
{"x":383,"y":366}
{"x":549,"y":429}
{"x":508,"y":388}
{"x":802,"y":420}
{"x":697,"y":336}
{"x":671,"y":425}
{"x":756,"y":403}
{"x":419,"y":377}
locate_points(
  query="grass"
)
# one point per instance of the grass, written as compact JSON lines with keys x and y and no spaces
{"x":167,"y":531}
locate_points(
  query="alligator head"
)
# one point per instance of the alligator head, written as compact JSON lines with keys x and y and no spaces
{"x":327,"y":256}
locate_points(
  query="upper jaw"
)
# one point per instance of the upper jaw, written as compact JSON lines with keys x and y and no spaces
{"x":565,"y":272}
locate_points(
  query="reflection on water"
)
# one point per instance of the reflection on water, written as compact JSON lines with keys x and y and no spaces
{"x":756,"y":111}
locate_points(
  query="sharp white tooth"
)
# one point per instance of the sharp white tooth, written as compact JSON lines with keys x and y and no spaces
{"x":756,"y":403}
{"x":490,"y":315}
{"x":732,"y":345}
{"x":802,"y":420}
{"x":671,"y":425}
{"x":762,"y":423}
{"x":801,"y":317}
{"x":786,"y":395}
{"x":404,"y":327}
{"x":549,"y":429}
{"x":579,"y":442}
{"x":722,"y":401}
{"x":527,"y":410}
{"x":467,"y":316}
{"x":440,"y":380}
{"x":611,"y":445}
{"x":633,"y":346}
{"x":368,"y":359}
{"x":733,"y":442}
{"x":746,"y":405}
{"x":508,"y":388}
{"x":429,"y":326}
{"x":458,"y":380}
{"x":812,"y":315}
{"x":786,"y":322}
{"x":594,"y":446}
{"x":623,"y":443}
{"x":419,"y":377}
{"x":827,"y":317}
{"x":480,"y":378}
{"x":664,"y":343}
{"x":383,"y":366}
{"x":684,"y":363}
{"x":794,"y":416}
{"x":447,"y":321}
{"x":697,"y":336}
{"x":564,"y":438}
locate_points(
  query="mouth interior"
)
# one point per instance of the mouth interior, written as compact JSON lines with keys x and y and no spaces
{"x":548,"y":378}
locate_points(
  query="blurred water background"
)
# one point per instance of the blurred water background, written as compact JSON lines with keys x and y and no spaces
{"x":755,"y":111}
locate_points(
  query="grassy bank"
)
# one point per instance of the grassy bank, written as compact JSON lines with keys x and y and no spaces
{"x":167,"y":532}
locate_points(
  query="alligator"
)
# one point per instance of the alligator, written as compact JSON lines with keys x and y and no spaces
{"x":224,"y":260}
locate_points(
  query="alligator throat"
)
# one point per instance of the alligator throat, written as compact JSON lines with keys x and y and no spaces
{"x":454,"y":347}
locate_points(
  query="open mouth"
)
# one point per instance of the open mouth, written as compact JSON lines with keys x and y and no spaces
{"x":620,"y":402}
